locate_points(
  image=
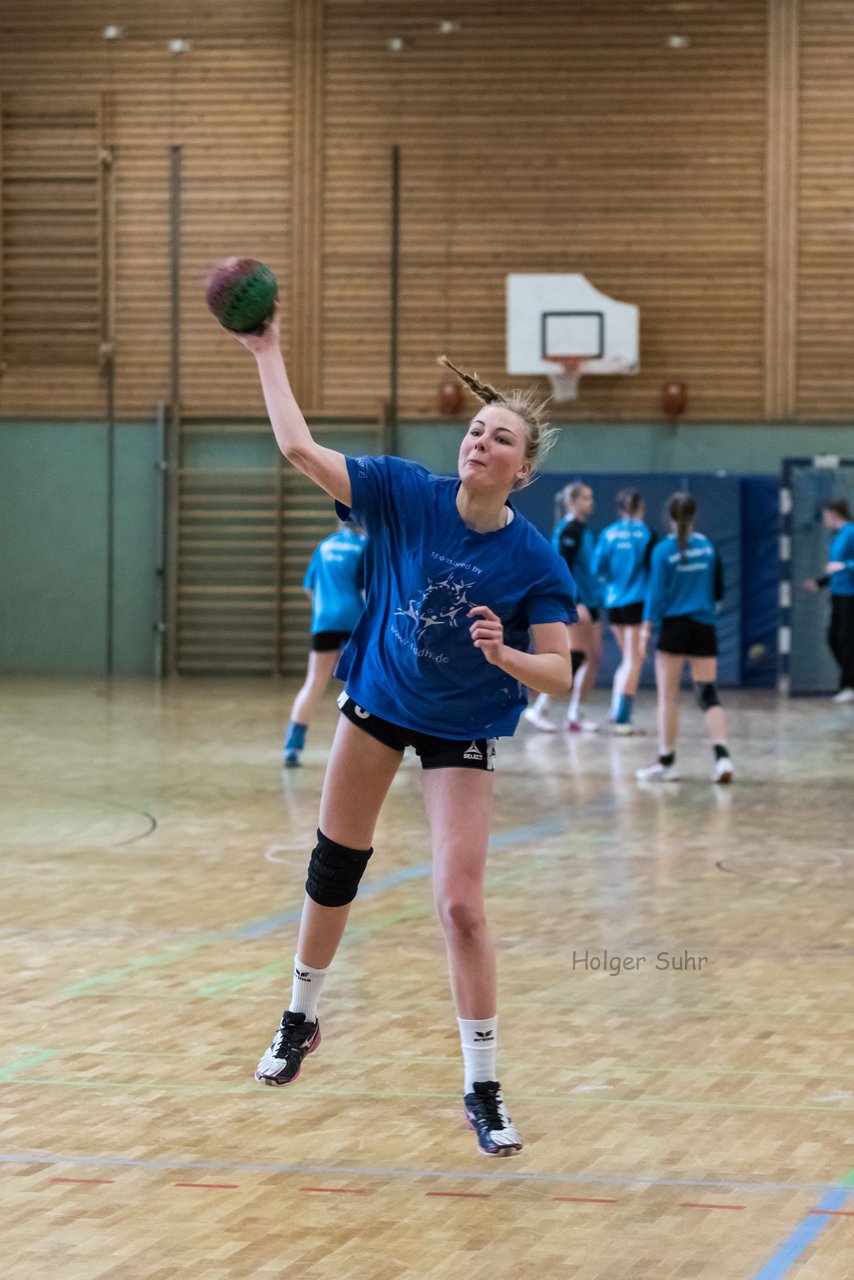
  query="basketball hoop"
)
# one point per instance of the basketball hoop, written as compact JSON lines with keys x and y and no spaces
{"x":564,"y":378}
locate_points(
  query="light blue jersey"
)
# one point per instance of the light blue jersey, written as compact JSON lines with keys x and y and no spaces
{"x":411,"y":658}
{"x":842,"y":549}
{"x":335,"y":577}
{"x":621,"y":561}
{"x":684,"y":583}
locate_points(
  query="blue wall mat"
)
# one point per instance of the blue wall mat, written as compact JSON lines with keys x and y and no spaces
{"x":719,"y":516}
{"x":760,"y":580}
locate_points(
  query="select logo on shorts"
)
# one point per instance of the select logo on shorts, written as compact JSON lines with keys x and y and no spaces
{"x":344,"y":698}
{"x":473,"y":753}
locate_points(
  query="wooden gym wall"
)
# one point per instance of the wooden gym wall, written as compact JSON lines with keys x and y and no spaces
{"x":709,"y":184}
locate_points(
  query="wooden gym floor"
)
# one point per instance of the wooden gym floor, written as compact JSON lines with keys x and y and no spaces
{"x":689,"y":1122}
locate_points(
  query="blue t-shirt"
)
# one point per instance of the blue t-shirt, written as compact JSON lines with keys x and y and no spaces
{"x":575,"y":544}
{"x":684,"y":583}
{"x":842,"y":549}
{"x":334,"y":576}
{"x":621,"y":560}
{"x":411,"y":658}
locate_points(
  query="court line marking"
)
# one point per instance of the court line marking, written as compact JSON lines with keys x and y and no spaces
{"x":571,"y":1100}
{"x":633,"y":1180}
{"x":808,"y":1229}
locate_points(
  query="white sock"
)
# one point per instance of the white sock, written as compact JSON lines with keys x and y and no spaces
{"x":574,"y":711}
{"x":308,"y":984}
{"x":542,"y":703}
{"x":479,"y":1040}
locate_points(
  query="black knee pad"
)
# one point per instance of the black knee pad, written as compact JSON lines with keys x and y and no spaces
{"x":334,"y":872}
{"x":707,"y":696}
{"x":579,"y":657}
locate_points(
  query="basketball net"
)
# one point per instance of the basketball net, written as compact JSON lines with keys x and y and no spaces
{"x":564,"y":380}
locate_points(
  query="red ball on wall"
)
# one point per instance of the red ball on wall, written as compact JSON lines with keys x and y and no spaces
{"x":449,"y":397}
{"x":674,"y":399}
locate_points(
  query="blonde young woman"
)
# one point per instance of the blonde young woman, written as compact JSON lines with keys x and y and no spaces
{"x":686,"y":584}
{"x":457,"y":582}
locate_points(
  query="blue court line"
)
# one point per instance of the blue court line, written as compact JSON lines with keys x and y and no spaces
{"x":803,"y":1236}
{"x":370,"y":889}
{"x":579,"y":1179}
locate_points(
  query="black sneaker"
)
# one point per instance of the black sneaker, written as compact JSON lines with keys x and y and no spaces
{"x":294,"y":1039}
{"x":487,"y":1115}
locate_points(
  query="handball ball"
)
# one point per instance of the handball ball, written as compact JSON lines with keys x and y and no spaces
{"x":242,"y":294}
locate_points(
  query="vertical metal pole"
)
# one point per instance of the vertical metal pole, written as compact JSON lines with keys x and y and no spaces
{"x":160,"y":535}
{"x":173,"y":421}
{"x":106,"y":356}
{"x":109,"y":375}
{"x":392,"y":414}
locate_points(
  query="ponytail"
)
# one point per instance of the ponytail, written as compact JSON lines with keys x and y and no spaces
{"x":629,"y":502}
{"x":681,"y":509}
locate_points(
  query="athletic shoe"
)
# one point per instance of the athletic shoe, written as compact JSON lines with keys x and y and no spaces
{"x":628,"y":731}
{"x":538,"y":720}
{"x":581,"y":725}
{"x":292,"y":760}
{"x":294,"y":1039}
{"x":723,"y":771}
{"x":844,"y":695}
{"x":658,"y":772}
{"x":487,"y":1115}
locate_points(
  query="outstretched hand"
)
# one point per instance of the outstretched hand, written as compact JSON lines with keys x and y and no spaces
{"x":268,"y":340}
{"x":487,"y":633}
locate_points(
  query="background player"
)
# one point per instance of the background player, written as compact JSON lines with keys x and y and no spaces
{"x":839,"y":575}
{"x":457,"y":582}
{"x":575,"y":543}
{"x":334,"y":581}
{"x":621,"y":560}
{"x":686,"y":583}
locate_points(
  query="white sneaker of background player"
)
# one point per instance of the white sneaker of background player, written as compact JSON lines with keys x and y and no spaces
{"x":658,"y":772}
{"x":538,"y":720}
{"x":580,"y":724}
{"x":723,"y":770}
{"x":844,"y":695}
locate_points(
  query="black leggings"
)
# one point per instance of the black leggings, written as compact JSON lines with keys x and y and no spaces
{"x":840,"y":637}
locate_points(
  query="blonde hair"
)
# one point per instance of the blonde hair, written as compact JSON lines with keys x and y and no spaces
{"x":539,"y":436}
{"x":570,"y":493}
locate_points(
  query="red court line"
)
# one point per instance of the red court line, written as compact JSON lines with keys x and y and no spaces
{"x":101,"y":1182}
{"x":459,"y":1195}
{"x":584,"y":1200}
{"x":833,"y":1213}
{"x":339,"y":1191}
{"x":215,"y":1186}
{"x":686,"y":1204}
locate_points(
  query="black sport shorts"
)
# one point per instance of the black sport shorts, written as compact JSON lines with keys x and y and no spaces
{"x":687,"y":638}
{"x":434,"y":753}
{"x":328,"y":641}
{"x":626,"y":615}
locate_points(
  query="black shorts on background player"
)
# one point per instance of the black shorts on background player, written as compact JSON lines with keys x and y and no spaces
{"x":626,"y":615}
{"x":686,"y":637}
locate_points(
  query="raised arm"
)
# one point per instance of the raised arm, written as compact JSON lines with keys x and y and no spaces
{"x":326,"y":467}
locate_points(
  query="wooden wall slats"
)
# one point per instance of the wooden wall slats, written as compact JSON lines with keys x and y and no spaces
{"x":543,"y":137}
{"x":554,"y":138}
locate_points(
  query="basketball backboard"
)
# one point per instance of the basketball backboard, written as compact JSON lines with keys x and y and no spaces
{"x":553,"y":318}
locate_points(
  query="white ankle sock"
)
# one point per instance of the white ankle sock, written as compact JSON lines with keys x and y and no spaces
{"x":542,"y":703}
{"x":308,"y":984}
{"x":479,"y":1040}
